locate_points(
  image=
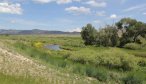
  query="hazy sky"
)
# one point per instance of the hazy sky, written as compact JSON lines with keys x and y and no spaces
{"x":67,"y":15}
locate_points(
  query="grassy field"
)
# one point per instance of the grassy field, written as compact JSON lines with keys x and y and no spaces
{"x":75,"y":63}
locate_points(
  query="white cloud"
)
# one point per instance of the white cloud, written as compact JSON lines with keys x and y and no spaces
{"x":63,"y":1}
{"x":144,"y":13}
{"x":96,"y":4}
{"x":78,"y":10}
{"x":76,"y":30}
{"x":113,"y":16}
{"x":10,"y":8}
{"x":56,"y":1}
{"x":100,"y":13}
{"x":43,"y":1}
{"x":77,"y":0}
{"x":137,"y":7}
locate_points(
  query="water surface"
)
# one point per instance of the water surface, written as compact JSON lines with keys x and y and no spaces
{"x":53,"y":47}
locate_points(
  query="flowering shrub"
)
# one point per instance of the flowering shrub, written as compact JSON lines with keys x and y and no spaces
{"x":38,"y":44}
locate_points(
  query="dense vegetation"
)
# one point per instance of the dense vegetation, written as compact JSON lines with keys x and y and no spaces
{"x":125,"y":31}
{"x":104,"y":56}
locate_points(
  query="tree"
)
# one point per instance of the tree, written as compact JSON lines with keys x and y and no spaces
{"x":133,"y":29}
{"x":108,"y":36}
{"x":89,"y":34}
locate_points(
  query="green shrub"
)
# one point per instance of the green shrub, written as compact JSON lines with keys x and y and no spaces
{"x":142,"y":63}
{"x":38,"y":44}
{"x":134,"y":78}
{"x":111,"y":58}
{"x":90,"y":70}
{"x":96,"y":72}
{"x":115,"y":58}
{"x":132,"y":46}
{"x":127,"y":65}
{"x":78,"y":68}
{"x":140,"y":54}
{"x":62,"y":63}
{"x":100,"y":74}
{"x":65,"y":54}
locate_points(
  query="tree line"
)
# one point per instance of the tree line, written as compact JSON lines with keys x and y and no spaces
{"x":127,"y":30}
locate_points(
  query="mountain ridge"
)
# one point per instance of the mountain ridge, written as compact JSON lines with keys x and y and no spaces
{"x":34,"y":31}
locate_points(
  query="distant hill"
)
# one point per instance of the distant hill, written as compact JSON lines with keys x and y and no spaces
{"x":34,"y":31}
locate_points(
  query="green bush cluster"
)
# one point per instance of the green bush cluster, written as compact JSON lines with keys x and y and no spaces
{"x":140,"y":54}
{"x":98,"y":73}
{"x":112,"y":58}
{"x":91,"y":71}
{"x":135,"y":78}
{"x":142,"y":63}
{"x":132,"y":46}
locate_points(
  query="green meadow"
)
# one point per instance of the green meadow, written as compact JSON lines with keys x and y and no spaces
{"x":82,"y":64}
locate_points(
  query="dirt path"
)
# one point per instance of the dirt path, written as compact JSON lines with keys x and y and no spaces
{"x":11,"y":62}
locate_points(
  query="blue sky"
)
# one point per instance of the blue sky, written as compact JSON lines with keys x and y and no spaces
{"x":67,"y":15}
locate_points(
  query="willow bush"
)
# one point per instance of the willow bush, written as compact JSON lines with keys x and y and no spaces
{"x":111,"y":58}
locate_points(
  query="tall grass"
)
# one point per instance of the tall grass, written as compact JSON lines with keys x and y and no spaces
{"x":62,"y":62}
{"x":8,"y":79}
{"x":135,"y":78}
{"x":133,"y":46}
